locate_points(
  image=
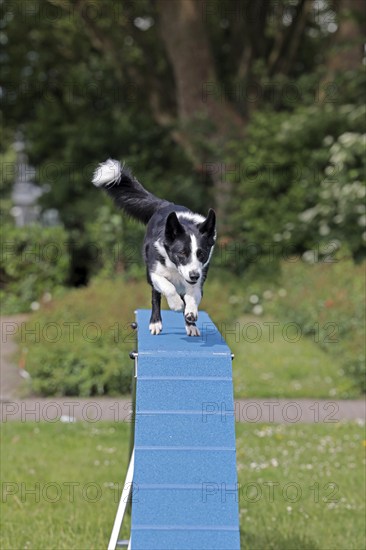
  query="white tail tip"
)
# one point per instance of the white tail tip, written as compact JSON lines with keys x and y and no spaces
{"x":107,"y":173}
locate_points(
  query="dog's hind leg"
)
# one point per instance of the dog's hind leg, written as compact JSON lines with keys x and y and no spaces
{"x":156,"y":325}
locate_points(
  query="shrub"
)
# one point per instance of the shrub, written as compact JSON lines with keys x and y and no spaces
{"x":327,"y":301}
{"x":339,"y":212}
{"x":80,"y":344}
{"x":34,"y":262}
{"x":299,"y":181}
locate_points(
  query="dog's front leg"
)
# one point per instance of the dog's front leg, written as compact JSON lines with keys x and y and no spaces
{"x":192,"y":299}
{"x":156,"y":325}
{"x":162,"y":285}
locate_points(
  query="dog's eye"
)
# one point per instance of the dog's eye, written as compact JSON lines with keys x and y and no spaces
{"x":200,"y":255}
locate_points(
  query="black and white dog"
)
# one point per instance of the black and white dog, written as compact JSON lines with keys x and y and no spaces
{"x":177,"y":248}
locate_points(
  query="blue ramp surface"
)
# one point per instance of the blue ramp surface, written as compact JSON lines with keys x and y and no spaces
{"x":185,"y":483}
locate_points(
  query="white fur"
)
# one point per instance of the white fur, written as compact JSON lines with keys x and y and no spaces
{"x":210,"y":254}
{"x":156,"y":328}
{"x":194,"y":264}
{"x":161,"y":284}
{"x":192,"y":330}
{"x":192,"y":300}
{"x":107,"y":173}
{"x":191,"y":216}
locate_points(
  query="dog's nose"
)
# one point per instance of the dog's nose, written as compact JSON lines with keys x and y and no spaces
{"x":194,"y":275}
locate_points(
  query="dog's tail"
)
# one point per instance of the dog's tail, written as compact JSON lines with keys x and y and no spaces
{"x":126,"y":191}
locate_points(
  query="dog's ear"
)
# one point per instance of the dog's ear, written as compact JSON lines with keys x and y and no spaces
{"x":208,"y":226}
{"x":173,"y":228}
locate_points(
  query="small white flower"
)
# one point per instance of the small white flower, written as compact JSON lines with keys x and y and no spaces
{"x":254,"y":299}
{"x":282,"y":292}
{"x":289,"y":509}
{"x":324,"y":230}
{"x":308,"y":215}
{"x":268,"y":294}
{"x":328,"y":140}
{"x":47,"y":297}
{"x":65,"y":418}
{"x":257,"y":310}
{"x":309,"y":256}
{"x":35,"y":306}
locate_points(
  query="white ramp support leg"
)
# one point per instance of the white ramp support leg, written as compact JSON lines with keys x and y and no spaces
{"x":122,"y":505}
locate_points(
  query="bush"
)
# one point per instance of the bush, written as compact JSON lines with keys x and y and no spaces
{"x":299,"y":181}
{"x":339,"y":213}
{"x":34,"y":263}
{"x":326,"y":300}
{"x":117,"y":243}
{"x":80,"y":344}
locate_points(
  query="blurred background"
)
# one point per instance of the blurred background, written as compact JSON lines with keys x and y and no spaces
{"x":253,"y":108}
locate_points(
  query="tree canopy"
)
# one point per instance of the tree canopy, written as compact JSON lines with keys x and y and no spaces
{"x":181,"y":90}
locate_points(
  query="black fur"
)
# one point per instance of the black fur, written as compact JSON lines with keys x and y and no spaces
{"x":177,"y":243}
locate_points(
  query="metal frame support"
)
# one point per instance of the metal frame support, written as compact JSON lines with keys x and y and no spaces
{"x":122,"y":505}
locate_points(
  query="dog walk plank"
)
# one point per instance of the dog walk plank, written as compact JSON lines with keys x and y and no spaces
{"x":185,"y":480}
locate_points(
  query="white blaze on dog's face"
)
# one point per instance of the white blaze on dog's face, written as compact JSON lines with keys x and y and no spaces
{"x":189,"y":245}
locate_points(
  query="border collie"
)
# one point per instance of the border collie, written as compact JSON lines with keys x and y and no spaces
{"x":177,"y":247}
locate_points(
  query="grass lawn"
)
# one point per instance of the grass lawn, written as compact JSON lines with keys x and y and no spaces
{"x":301,"y":486}
{"x":273,"y":359}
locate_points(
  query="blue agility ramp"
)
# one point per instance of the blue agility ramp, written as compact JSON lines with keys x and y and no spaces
{"x":185,"y":492}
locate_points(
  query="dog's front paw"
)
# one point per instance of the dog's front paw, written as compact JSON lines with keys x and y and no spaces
{"x":190,"y":316}
{"x":175,"y":302}
{"x":156,"y":328}
{"x":192,"y":330}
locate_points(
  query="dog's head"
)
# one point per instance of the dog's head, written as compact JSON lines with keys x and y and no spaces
{"x":189,"y":245}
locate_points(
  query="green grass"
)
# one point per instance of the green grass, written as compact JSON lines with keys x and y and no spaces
{"x":316,"y":472}
{"x":92,"y":455}
{"x":275,"y":366}
{"x":314,"y":349}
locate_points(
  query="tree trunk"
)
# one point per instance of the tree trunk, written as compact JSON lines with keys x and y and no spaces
{"x":206,"y":119}
{"x":346,"y":49}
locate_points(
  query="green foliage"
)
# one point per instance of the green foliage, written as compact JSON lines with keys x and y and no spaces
{"x":299,"y":181}
{"x":34,"y":264}
{"x":79,"y":106}
{"x":326,"y":301}
{"x":80,"y":344}
{"x":339,"y":213}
